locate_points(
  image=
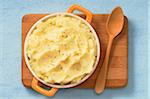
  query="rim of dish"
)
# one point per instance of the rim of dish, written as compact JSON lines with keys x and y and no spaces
{"x":95,"y":63}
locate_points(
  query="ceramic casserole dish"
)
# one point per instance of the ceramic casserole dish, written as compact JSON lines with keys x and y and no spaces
{"x":55,"y":87}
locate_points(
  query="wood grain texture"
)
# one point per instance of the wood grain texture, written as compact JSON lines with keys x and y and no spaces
{"x":118,"y":64}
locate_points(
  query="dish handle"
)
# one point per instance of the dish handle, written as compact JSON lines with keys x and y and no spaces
{"x":41,"y":90}
{"x":85,"y":11}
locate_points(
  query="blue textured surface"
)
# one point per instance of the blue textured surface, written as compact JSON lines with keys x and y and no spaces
{"x":11,"y":12}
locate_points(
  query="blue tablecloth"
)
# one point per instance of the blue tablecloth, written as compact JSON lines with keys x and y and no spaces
{"x":11,"y":12}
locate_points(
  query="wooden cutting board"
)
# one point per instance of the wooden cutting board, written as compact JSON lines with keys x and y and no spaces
{"x":118,"y":64}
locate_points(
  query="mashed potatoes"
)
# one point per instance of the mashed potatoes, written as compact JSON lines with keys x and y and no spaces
{"x":61,"y":50}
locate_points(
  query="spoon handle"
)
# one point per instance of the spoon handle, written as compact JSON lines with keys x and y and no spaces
{"x":101,"y":79}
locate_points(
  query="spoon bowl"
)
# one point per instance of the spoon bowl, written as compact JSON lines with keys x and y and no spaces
{"x":115,"y":22}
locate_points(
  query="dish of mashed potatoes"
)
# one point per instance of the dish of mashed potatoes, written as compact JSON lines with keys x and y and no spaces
{"x":61,"y":50}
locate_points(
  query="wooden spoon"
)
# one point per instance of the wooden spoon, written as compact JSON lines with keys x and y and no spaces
{"x":114,"y":26}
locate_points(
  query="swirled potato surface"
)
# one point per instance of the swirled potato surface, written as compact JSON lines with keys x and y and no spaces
{"x":61,"y":50}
